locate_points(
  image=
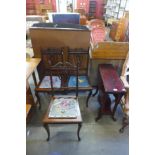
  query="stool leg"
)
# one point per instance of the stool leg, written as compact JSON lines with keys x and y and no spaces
{"x":89,"y":95}
{"x":78,"y":131}
{"x":48,"y":131}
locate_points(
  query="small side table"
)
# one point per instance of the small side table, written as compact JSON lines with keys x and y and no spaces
{"x":109,"y":83}
{"x":31,"y":66}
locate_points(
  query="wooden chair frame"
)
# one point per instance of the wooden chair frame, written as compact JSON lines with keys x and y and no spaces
{"x":81,"y":56}
{"x":51,"y":57}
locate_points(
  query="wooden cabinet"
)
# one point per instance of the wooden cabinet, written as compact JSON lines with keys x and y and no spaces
{"x":92,"y":9}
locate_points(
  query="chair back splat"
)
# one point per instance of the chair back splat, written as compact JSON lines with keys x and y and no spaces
{"x":63,"y":71}
{"x":51,"y":56}
{"x":80,"y":56}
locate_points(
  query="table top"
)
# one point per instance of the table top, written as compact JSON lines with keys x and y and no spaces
{"x":111,"y":80}
{"x":31,"y":65}
{"x":48,"y":120}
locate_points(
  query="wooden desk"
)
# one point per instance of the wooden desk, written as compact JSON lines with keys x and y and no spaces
{"x":109,"y":83}
{"x":31,"y":65}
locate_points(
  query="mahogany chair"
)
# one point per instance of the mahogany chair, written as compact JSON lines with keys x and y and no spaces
{"x":64,"y":105}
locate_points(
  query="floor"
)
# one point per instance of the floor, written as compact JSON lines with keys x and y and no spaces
{"x":97,"y":138}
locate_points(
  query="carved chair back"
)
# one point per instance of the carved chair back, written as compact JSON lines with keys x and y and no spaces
{"x":80,"y":56}
{"x":63,"y":70}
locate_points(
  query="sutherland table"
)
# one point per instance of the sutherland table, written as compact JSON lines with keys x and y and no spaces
{"x":109,"y":83}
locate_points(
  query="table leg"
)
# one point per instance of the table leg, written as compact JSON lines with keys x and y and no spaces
{"x":78,"y":131}
{"x":36,"y":93}
{"x":48,"y":131}
{"x":38,"y":98}
{"x":100,"y":110}
{"x":99,"y":114}
{"x":90,"y":93}
{"x":117,"y":100}
{"x":34,"y":78}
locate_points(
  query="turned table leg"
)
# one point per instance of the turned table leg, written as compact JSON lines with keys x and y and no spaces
{"x":117,"y":98}
{"x":78,"y":131}
{"x":48,"y":131}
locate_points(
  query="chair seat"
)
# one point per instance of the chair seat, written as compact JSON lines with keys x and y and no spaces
{"x":45,"y":83}
{"x":82,"y":81}
{"x":64,"y":107}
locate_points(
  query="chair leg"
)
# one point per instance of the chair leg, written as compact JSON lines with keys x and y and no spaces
{"x":38,"y":98}
{"x":125,"y":124}
{"x":89,"y":95}
{"x":47,"y":130}
{"x":78,"y":131}
{"x":95,"y":91}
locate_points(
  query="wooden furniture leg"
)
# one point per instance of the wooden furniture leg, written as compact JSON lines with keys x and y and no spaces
{"x":89,"y":95}
{"x":95,"y":91}
{"x":34,"y":78}
{"x":48,"y":131}
{"x":78,"y":131}
{"x":100,"y":109}
{"x":36,"y":93}
{"x":99,"y":114}
{"x":125,"y":124}
{"x":117,"y":100}
{"x":38,"y":98}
